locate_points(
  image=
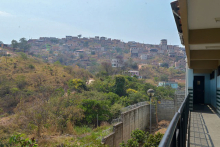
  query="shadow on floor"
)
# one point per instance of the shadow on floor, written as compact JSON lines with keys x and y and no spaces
{"x":199,"y":134}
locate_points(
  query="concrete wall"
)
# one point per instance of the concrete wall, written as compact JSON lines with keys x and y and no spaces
{"x":167,"y":108}
{"x":139,"y":118}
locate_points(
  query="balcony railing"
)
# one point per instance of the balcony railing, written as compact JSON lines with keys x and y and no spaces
{"x":178,"y":131}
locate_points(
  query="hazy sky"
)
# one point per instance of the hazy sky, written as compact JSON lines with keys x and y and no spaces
{"x":146,"y":21}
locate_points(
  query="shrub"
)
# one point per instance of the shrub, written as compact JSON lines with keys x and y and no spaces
{"x":140,"y":138}
{"x":19,"y":140}
{"x":24,"y":56}
{"x":131,"y":91}
{"x":21,"y":82}
{"x":77,"y":84}
{"x":153,"y":140}
{"x":31,"y":66}
{"x":138,"y":135}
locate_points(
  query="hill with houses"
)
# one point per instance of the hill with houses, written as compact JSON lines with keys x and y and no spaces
{"x":134,"y":58}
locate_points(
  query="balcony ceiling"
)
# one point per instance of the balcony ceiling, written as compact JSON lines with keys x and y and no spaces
{"x":202,"y":14}
{"x":201,"y":33}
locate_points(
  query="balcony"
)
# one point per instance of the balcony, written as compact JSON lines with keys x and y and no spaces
{"x":197,"y":127}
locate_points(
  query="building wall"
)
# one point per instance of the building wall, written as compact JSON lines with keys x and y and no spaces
{"x":210,"y":86}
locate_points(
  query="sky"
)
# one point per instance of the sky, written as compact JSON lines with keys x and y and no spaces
{"x":145,"y":21}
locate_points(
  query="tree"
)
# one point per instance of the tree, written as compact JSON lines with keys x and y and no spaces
{"x":77,"y":84}
{"x":92,"y":108}
{"x":65,"y":113}
{"x":166,"y":65}
{"x":14,"y":44}
{"x":107,"y":68}
{"x":23,"y":45}
{"x":120,"y":85}
{"x":35,"y":114}
{"x":164,"y":78}
{"x":79,"y":36}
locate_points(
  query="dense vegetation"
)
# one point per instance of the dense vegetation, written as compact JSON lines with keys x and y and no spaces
{"x":43,"y":100}
{"x":140,"y":138}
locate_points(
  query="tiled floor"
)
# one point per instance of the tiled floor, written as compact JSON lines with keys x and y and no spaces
{"x":204,"y":127}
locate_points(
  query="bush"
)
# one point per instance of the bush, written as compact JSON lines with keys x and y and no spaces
{"x":21,"y":82}
{"x":19,"y":140}
{"x":31,"y":66}
{"x":77,"y":84}
{"x":140,"y":138}
{"x":92,"y":108}
{"x":24,"y":56}
{"x":129,"y":91}
{"x":138,"y":135}
{"x":153,"y":140}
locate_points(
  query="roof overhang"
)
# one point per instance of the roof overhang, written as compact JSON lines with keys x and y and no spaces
{"x":198,"y":24}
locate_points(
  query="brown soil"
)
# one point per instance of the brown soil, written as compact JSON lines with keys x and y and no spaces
{"x":162,"y":126}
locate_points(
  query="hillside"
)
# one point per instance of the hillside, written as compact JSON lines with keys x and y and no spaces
{"x":53,"y":103}
{"x":30,"y":77}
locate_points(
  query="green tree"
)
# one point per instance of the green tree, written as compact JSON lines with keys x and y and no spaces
{"x":23,"y":45}
{"x":120,"y":85}
{"x":14,"y":44}
{"x":77,"y":84}
{"x":106,"y":68}
{"x":166,"y":65}
{"x":164,"y":78}
{"x":112,"y":97}
{"x":92,"y":108}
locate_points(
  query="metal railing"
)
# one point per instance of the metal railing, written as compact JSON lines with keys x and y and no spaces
{"x":176,"y":134}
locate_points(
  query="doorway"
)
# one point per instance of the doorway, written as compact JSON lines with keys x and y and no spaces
{"x":198,"y":89}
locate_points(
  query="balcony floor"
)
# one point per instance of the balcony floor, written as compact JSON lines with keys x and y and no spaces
{"x":204,"y":127}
